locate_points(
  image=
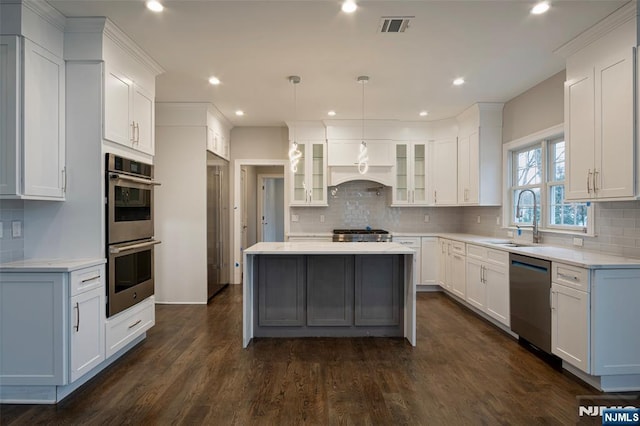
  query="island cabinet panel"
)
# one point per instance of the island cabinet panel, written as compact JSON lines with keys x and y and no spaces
{"x":377,"y":290}
{"x":281,"y":290}
{"x":330,"y":290}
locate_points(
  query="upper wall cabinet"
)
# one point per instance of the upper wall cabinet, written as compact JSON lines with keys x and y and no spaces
{"x":128,"y":83}
{"x":410,"y":186}
{"x":309,"y":180}
{"x":444,"y":171}
{"x":600,"y":110}
{"x":480,"y":155}
{"x":32,"y":103}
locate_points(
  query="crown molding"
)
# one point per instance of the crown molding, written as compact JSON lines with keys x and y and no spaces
{"x":597,"y":31}
{"x":128,"y":45}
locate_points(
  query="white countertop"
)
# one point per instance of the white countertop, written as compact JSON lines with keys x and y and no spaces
{"x":328,"y":248}
{"x":576,"y":257}
{"x":49,"y":265}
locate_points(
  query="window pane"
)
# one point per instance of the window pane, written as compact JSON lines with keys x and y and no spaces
{"x":565,"y":214}
{"x":557,"y":160}
{"x":523,"y":210}
{"x":528,"y":167}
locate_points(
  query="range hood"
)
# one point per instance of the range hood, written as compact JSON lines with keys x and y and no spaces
{"x":342,"y":165}
{"x":341,"y":174}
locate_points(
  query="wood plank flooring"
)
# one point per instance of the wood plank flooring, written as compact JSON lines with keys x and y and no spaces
{"x":192,"y":370}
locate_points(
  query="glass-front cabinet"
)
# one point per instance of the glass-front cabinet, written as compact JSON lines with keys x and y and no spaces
{"x":410,"y":187}
{"x":309,"y":180}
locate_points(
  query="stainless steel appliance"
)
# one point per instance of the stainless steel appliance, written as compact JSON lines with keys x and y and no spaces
{"x":217,"y":214}
{"x":361,"y":235}
{"x":130,"y":242}
{"x":529,"y":296}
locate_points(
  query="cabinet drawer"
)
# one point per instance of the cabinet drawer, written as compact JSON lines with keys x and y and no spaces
{"x":476,"y":252}
{"x":413,"y":243}
{"x":126,"y":326}
{"x":87,"y":279}
{"x":498,"y":257}
{"x":571,"y":276}
{"x":458,"y":248}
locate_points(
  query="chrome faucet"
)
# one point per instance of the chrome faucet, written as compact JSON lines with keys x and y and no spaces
{"x":536,"y":233}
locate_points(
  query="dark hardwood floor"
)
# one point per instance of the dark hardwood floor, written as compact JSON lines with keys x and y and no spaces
{"x":192,"y":370}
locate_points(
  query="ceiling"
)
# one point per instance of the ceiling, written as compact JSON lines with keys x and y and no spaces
{"x":253,"y":46}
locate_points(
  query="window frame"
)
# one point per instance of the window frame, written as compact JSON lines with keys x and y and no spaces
{"x":543,"y":138}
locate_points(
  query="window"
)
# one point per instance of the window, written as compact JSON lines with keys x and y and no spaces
{"x":536,"y":165}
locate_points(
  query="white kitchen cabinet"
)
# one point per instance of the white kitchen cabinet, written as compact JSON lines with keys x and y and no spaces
{"x":480,"y":155}
{"x":444,"y":171}
{"x":344,"y":153}
{"x":488,"y":281}
{"x":410,"y":185}
{"x":570,"y":325}
{"x":443,"y":265}
{"x":58,"y":335}
{"x":32,"y":119}
{"x":128,"y":112}
{"x":600,"y":111}
{"x":309,"y":181}
{"x":458,"y":274}
{"x":429,"y":269}
{"x":452,"y":268}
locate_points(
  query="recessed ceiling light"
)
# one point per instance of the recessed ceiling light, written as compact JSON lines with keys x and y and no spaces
{"x":458,"y":81}
{"x":423,"y":113}
{"x":214,"y":80}
{"x":349,"y":6}
{"x":239,"y":113}
{"x":540,"y":8}
{"x":155,"y":6}
{"x":331,"y":113}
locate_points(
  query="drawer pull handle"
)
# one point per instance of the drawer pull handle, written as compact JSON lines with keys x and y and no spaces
{"x":91,"y":279}
{"x":135,"y":323}
{"x":568,"y":277}
{"x":77,"y":326}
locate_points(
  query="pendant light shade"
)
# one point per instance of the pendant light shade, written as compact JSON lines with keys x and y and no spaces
{"x":294,"y":152}
{"x":363,"y":154}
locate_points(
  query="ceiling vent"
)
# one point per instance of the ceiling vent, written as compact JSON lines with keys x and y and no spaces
{"x":394,"y":24}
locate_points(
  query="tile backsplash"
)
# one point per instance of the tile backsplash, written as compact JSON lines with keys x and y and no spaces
{"x":360,"y":204}
{"x":11,"y":248}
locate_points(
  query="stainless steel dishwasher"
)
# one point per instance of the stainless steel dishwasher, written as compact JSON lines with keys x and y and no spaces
{"x":529,"y":296}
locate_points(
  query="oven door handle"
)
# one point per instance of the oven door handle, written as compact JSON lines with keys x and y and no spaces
{"x":133,"y":179}
{"x":116,"y":250}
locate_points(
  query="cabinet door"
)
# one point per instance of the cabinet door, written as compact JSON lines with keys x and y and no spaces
{"x":570,"y":325}
{"x":458,"y":275}
{"x":299,"y":193}
{"x":430,"y":258}
{"x":414,"y":244}
{"x":445,"y":172}
{"x":473,"y":170}
{"x":443,"y":260}
{"x":317,"y":177}
{"x":419,"y":174}
{"x":118,"y":119}
{"x":43,"y":126}
{"x":463,"y":169}
{"x":87,"y":332}
{"x":402,"y":177}
{"x":33,"y":319}
{"x":330,"y":290}
{"x":143,"y":108}
{"x":281,"y":290}
{"x":497,"y":292}
{"x":614,"y":136}
{"x":377,"y":290}
{"x":10,"y":106}
{"x":579,"y":135}
{"x":475,"y":285}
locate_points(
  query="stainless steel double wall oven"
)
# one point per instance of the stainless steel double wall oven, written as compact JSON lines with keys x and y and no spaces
{"x":130,"y":237}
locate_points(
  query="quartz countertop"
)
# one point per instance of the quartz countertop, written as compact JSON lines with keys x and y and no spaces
{"x":49,"y":265}
{"x":328,"y":248}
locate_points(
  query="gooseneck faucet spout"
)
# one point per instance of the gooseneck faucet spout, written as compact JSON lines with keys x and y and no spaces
{"x":536,"y":233}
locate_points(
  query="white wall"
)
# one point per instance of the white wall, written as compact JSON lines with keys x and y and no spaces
{"x":181,"y":214}
{"x":540,"y":107}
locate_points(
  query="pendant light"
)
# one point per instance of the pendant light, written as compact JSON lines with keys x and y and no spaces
{"x":363,"y":155}
{"x":294,"y":152}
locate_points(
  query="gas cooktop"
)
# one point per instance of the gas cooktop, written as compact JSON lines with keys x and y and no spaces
{"x":361,"y":235}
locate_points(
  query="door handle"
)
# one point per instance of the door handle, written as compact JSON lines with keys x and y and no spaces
{"x":77,"y":326}
{"x":595,"y":180}
{"x":589,"y":181}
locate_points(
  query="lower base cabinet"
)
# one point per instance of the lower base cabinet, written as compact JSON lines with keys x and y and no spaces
{"x":323,"y":292}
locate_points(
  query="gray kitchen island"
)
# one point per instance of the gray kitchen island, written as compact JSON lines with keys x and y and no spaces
{"x":326,"y":289}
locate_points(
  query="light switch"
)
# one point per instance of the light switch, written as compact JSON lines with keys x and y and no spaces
{"x":578,"y":242}
{"x":16,"y":229}
{"x":478,"y":219}
{"x":427,"y":218}
{"x":321,"y":218}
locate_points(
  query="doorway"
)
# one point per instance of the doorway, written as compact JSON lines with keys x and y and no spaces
{"x":270,"y":208}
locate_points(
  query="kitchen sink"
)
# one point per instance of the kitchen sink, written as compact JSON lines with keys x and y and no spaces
{"x":506,"y":243}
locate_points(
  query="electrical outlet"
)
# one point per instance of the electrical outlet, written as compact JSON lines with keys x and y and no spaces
{"x":497,"y":220}
{"x":510,"y":234}
{"x":295,"y":218}
{"x":478,"y":219}
{"x":427,"y":218}
{"x":578,"y":242}
{"x":321,"y":218}
{"x":16,"y":229}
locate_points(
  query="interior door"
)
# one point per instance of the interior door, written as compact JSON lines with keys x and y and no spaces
{"x":272,"y":209}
